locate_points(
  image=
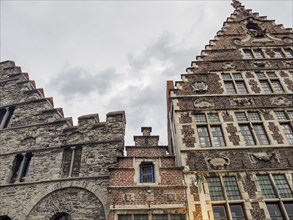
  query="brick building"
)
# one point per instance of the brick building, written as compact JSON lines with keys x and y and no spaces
{"x":146,"y":184}
{"x":50,"y":169}
{"x":230,"y":122}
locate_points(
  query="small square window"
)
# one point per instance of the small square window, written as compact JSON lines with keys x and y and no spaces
{"x":271,"y":75}
{"x":260,"y":75}
{"x":278,"y":53}
{"x":281,"y":116}
{"x":200,"y":118}
{"x":240,"y":116}
{"x":226,"y":76}
{"x":219,"y":212}
{"x":258,"y":54}
{"x":237,"y":75}
{"x":248,"y":54}
{"x":213,"y":117}
{"x":290,"y":115}
{"x":253,"y":116}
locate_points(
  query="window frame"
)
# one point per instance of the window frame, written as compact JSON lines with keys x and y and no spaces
{"x":142,"y":174}
{"x":234,"y":85}
{"x":20,"y":167}
{"x":6,"y":116}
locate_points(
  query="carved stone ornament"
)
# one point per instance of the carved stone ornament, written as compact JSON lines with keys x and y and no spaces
{"x":203,"y":103}
{"x":261,"y":64}
{"x":200,"y":87}
{"x":241,"y":102}
{"x":28,"y":141}
{"x":287,"y":40}
{"x":217,"y":161}
{"x":228,"y":65}
{"x":128,"y":197}
{"x":255,"y":28}
{"x":280,"y":101}
{"x":288,"y":63}
{"x":237,"y":41}
{"x":265,"y":157}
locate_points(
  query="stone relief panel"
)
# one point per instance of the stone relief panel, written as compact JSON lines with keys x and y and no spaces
{"x":249,"y":75}
{"x":232,"y":131}
{"x":227,"y":117}
{"x":200,"y":87}
{"x":203,"y":103}
{"x":188,"y":135}
{"x":267,"y":115}
{"x":289,"y":84}
{"x":276,"y":133}
{"x":217,"y":161}
{"x":265,"y":156}
{"x":254,"y":87}
{"x":279,"y":101}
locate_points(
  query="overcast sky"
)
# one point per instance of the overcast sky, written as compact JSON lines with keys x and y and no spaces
{"x":102,"y":56}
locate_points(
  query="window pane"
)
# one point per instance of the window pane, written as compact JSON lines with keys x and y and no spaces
{"x":247,"y":135}
{"x":213,"y":117}
{"x":260,"y":134}
{"x":226,"y":76}
{"x":203,"y":134}
{"x":253,"y":116}
{"x":241,"y":87}
{"x":218,"y":138}
{"x":281,"y":116}
{"x":124,"y":217}
{"x":231,"y":188}
{"x":289,"y":209}
{"x":215,"y":188}
{"x":290,"y":114}
{"x":288,"y":53}
{"x":282,"y":186}
{"x":200,"y":118}
{"x":260,"y":75}
{"x":159,"y":217}
{"x":219,"y":212}
{"x":178,"y":217}
{"x":288,"y":132}
{"x":274,"y":211}
{"x":140,"y":217}
{"x":266,"y":186}
{"x":266,"y":87}
{"x":230,"y":88}
{"x":237,"y":212}
{"x":271,"y":75}
{"x":278,"y":54}
{"x":237,"y":75}
{"x":258,"y":54}
{"x":248,"y":54}
{"x":147,"y":173}
{"x":277,"y":86}
{"x":240,"y":116}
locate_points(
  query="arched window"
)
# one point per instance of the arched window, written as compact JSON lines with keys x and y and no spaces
{"x":147,"y":173}
{"x":255,"y":30}
{"x":61,"y":216}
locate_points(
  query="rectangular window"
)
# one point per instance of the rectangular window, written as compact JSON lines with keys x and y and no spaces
{"x":231,"y":188}
{"x":240,"y":116}
{"x":226,"y":76}
{"x":260,"y":75}
{"x":266,"y":86}
{"x":288,"y":52}
{"x":247,"y":135}
{"x":147,"y":173}
{"x":71,"y":161}
{"x":260,"y":134}
{"x":237,"y":76}
{"x":204,"y":138}
{"x":218,"y":139}
{"x":281,"y":116}
{"x":277,"y":86}
{"x":278,"y":53}
{"x":6,"y":116}
{"x":290,"y":115}
{"x":282,"y":186}
{"x":219,"y":212}
{"x":248,"y":54}
{"x":271,"y":75}
{"x":20,"y":167}
{"x":200,"y":118}
{"x":274,"y":211}
{"x":230,"y":88}
{"x":266,"y":186}
{"x":213,"y":117}
{"x":289,"y":209}
{"x":237,"y":212}
{"x":215,"y":188}
{"x":241,"y":87}
{"x":288,"y":132}
{"x":253,"y":116}
{"x":258,"y":54}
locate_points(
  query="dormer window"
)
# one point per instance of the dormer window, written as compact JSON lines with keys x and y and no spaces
{"x":147,"y":174}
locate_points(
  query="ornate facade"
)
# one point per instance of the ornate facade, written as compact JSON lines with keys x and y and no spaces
{"x":230,"y":122}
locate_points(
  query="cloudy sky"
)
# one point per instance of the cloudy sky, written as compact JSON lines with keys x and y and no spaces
{"x":102,"y":56}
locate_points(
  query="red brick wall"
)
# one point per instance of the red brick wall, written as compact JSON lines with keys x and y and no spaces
{"x":122,"y":177}
{"x":146,"y":152}
{"x":167,"y":162}
{"x":125,"y":162}
{"x":171,"y":177}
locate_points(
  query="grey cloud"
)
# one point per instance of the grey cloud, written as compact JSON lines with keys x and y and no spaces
{"x":79,"y":81}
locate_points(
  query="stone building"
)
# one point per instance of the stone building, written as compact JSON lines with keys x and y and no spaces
{"x":230,"y":122}
{"x":146,"y":184}
{"x":50,"y":169}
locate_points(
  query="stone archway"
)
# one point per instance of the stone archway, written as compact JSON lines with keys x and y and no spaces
{"x":77,"y":202}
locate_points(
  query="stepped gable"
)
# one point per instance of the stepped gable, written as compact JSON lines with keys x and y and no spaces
{"x":242,"y":31}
